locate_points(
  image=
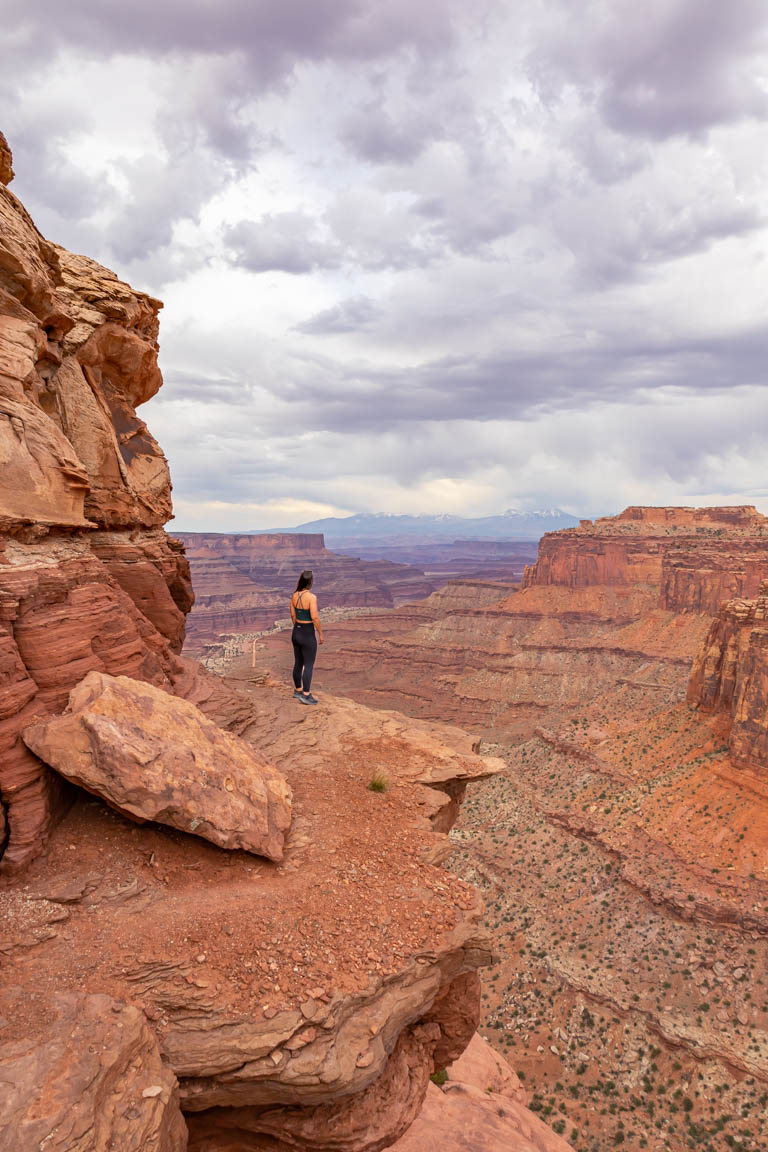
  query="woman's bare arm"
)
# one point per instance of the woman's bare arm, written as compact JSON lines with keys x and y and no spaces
{"x":315,"y":617}
{"x":293,"y":610}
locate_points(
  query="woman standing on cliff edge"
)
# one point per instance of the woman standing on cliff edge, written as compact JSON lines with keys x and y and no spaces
{"x":305,"y":621}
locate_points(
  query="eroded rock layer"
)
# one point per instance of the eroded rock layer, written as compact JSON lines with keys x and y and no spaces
{"x":92,"y":1078}
{"x":88,"y":578}
{"x":730,"y":678}
{"x":623,"y":851}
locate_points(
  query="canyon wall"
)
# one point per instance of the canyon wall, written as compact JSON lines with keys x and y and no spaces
{"x":623,"y":849}
{"x":502,"y":560}
{"x":88,"y":578}
{"x":243,"y":582}
{"x":217,"y":935}
{"x":621,"y":604}
{"x":729,"y":679}
{"x":694,"y":558}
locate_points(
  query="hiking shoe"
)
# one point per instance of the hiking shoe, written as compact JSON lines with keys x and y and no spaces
{"x":307,"y":699}
{"x":297,"y":695}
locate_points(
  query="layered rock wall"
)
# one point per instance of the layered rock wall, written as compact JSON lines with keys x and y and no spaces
{"x":729,"y":678}
{"x":88,"y":578}
{"x":691,"y":558}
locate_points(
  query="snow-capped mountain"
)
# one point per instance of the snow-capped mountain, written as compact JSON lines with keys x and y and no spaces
{"x":387,"y":526}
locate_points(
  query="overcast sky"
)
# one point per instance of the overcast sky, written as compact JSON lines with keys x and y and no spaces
{"x":420,"y":255}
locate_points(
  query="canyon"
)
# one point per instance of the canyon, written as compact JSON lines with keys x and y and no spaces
{"x":243,"y":582}
{"x":441,"y":560}
{"x":623,"y":848}
{"x":215,"y":932}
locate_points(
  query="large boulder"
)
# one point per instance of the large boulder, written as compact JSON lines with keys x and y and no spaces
{"x":89,"y":1080}
{"x":156,"y":757}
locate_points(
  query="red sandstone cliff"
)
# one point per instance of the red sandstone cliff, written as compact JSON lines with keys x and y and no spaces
{"x":729,"y":678}
{"x":692,"y":558}
{"x":88,"y":578}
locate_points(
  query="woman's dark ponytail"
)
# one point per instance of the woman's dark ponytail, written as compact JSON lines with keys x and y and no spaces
{"x":305,"y":580}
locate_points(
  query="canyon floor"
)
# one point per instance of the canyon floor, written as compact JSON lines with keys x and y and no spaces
{"x":622,"y":851}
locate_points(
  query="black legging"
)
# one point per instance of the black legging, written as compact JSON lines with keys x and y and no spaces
{"x":304,"y":651}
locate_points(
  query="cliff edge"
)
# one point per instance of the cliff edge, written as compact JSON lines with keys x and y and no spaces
{"x":160,"y":991}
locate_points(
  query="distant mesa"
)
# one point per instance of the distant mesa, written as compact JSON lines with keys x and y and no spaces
{"x":694,"y":558}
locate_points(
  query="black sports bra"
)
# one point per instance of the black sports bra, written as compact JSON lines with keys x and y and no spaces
{"x":303,"y":615}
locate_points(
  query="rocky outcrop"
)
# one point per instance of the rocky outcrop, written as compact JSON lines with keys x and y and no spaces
{"x":92,"y":1078}
{"x":6,"y":164}
{"x":243,"y":582}
{"x":284,"y":996}
{"x":729,"y":678}
{"x":465,"y":1118}
{"x":88,"y":578}
{"x":691,"y":558}
{"x":156,"y":757}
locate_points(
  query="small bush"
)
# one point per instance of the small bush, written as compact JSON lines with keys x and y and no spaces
{"x":440,"y":1077}
{"x":378,"y":782}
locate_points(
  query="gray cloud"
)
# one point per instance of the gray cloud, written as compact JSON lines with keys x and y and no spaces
{"x":664,"y":68}
{"x":372,"y":134}
{"x":347,"y":316}
{"x":270,"y":36}
{"x":286,"y":242}
{"x":535,"y":234}
{"x":523,"y":386}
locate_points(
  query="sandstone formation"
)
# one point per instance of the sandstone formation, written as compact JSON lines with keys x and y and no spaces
{"x":693,"y":558}
{"x":93,"y":1078}
{"x":6,"y":165}
{"x":156,"y":757}
{"x":463,"y":1118}
{"x":243,"y":582}
{"x":730,"y":678}
{"x":88,"y":579}
{"x":279,"y":993}
{"x":623,"y":851}
{"x":479,"y":1066}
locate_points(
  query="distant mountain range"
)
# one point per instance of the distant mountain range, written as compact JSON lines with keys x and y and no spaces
{"x":385,"y":527}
